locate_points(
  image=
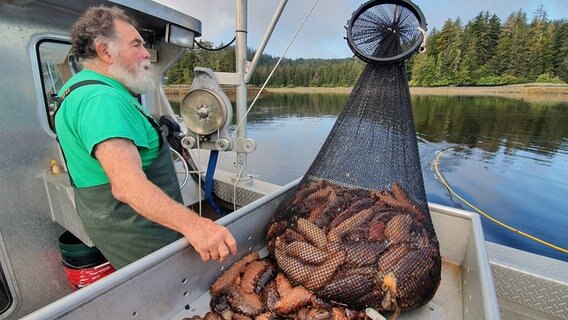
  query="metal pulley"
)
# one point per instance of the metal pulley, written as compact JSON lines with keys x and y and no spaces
{"x":206,"y":110}
{"x":203,"y":111}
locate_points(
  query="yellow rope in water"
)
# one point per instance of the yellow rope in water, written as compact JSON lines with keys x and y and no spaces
{"x":437,"y":162}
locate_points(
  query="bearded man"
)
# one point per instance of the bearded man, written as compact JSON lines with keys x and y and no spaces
{"x":126,"y":189}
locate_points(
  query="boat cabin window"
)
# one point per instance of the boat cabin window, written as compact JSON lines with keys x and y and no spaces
{"x":56,"y":65}
{"x":5,"y":296}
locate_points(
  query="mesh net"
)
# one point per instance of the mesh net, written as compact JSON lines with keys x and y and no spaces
{"x":357,"y":229}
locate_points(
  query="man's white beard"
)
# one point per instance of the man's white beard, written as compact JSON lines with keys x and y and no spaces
{"x":138,"y":81}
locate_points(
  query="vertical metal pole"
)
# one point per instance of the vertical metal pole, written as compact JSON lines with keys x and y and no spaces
{"x":241,"y":89}
{"x":264,"y":41}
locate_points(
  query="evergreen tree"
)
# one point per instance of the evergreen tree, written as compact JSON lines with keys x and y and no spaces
{"x":493,"y":34}
{"x":449,"y":52}
{"x":539,"y":45}
{"x":510,"y":53}
{"x":560,"y":48}
{"x":423,"y":70}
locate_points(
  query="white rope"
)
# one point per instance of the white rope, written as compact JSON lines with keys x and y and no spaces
{"x":275,"y":66}
{"x":258,"y":95}
{"x":185,"y":167}
{"x":260,"y":91}
{"x":199,"y":176}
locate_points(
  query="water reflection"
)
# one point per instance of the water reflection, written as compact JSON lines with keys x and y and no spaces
{"x":507,"y":157}
{"x":481,"y":122}
{"x":490,"y":123}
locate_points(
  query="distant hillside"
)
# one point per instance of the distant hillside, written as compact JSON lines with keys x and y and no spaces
{"x":485,"y":51}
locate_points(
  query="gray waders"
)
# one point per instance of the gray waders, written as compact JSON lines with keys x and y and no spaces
{"x":120,"y":233}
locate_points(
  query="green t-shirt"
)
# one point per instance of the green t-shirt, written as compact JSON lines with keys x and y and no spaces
{"x":94,"y":113}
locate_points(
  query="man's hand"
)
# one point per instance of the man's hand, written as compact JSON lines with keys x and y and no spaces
{"x":212,"y":241}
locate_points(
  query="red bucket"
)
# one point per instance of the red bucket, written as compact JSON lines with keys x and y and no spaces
{"x":81,"y":277}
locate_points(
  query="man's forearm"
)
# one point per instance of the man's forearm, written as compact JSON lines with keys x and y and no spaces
{"x":122,"y":164}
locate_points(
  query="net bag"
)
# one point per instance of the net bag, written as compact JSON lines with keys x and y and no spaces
{"x":357,"y":230}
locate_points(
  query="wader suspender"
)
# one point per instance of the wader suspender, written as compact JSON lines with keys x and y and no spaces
{"x":59,"y":102}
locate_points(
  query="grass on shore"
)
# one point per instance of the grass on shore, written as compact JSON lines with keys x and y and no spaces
{"x":529,"y":91}
{"x":532,"y":92}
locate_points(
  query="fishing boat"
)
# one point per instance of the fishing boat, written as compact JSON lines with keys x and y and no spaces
{"x":480,"y":280}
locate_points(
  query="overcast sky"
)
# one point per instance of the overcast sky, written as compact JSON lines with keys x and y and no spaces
{"x":322,"y":35}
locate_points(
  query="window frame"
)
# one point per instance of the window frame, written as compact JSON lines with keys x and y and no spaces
{"x":39,"y":74}
{"x":8,"y":282}
{"x":5,"y":287}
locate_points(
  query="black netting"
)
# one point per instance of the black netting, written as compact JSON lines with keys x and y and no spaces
{"x":357,"y":229}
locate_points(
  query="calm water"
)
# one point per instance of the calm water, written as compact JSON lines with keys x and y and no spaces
{"x":508,"y":158}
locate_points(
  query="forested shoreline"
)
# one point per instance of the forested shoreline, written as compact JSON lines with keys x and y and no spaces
{"x":483,"y":52}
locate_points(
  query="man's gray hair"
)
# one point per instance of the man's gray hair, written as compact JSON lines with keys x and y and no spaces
{"x":96,"y":24}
